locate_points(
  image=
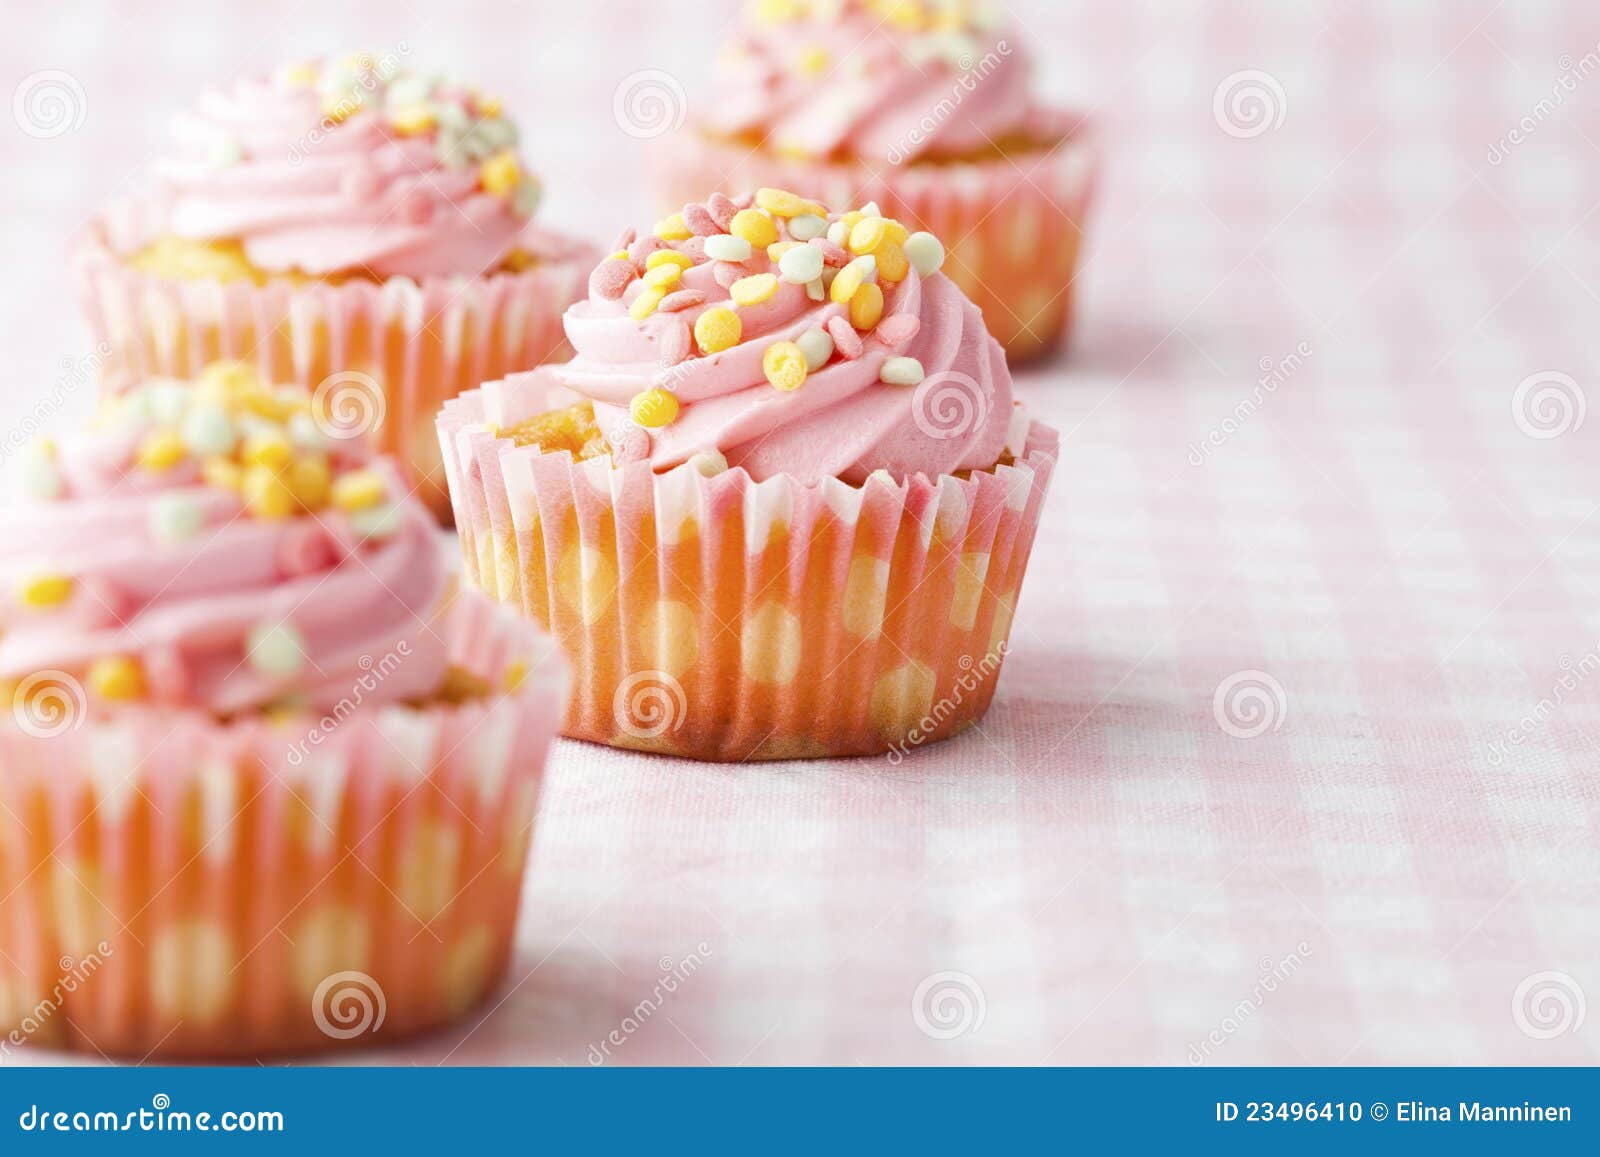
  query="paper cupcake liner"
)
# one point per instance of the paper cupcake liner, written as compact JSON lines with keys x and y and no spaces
{"x":419,"y":343}
{"x":174,"y":885}
{"x":719,"y":618}
{"x":1012,"y":226}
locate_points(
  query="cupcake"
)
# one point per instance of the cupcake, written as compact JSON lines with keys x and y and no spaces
{"x":923,"y":107}
{"x":268,"y":778}
{"x":349,"y":225}
{"x":780,"y":502}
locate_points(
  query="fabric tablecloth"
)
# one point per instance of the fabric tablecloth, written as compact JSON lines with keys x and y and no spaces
{"x":1294,"y":756}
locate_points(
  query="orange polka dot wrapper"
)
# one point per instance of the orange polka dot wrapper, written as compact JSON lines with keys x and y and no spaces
{"x":1013,"y":226}
{"x":386,"y":354}
{"x":722,"y":619}
{"x":175,"y":885}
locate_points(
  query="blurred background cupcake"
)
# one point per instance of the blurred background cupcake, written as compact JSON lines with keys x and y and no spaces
{"x":268,"y":778}
{"x":923,"y":106}
{"x":348,"y":224}
{"x":781,"y":501}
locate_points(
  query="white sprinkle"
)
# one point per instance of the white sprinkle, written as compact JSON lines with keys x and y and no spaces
{"x":167,"y":400}
{"x":726,"y":247}
{"x":275,"y":649}
{"x":208,"y":430}
{"x":925,"y":253}
{"x":708,"y":462}
{"x":806,"y":226}
{"x":175,"y":518}
{"x":816,"y":290}
{"x":868,"y":264}
{"x":379,"y":521}
{"x":39,"y":476}
{"x":526,"y":197}
{"x":901,"y":371}
{"x":817,"y":346}
{"x":224,"y":153}
{"x":801,"y":265}
{"x":839,"y":233}
{"x":305,"y":434}
{"x":870,"y":209}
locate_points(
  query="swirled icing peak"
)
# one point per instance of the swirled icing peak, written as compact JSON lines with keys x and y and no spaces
{"x":769,"y":333}
{"x":222,"y":546}
{"x":350,"y":165}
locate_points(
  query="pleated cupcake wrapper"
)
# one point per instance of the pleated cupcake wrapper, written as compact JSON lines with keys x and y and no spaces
{"x":1012,"y":226}
{"x":719,"y":618}
{"x":174,"y":884}
{"x":419,"y":342}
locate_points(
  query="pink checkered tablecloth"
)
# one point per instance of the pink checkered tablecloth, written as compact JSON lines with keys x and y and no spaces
{"x":1294,"y":758}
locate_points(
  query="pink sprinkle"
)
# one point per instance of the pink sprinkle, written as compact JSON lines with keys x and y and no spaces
{"x":845,"y":338}
{"x":743,"y":201}
{"x":305,"y":550}
{"x":643,"y":247}
{"x":674,"y":342}
{"x":831,"y":254}
{"x":625,"y":239}
{"x":722,"y":211}
{"x":166,"y":674}
{"x":727,"y":272}
{"x":681,"y":299}
{"x":629,"y":443}
{"x":610,"y":279}
{"x":699,"y":220}
{"x":694,"y":248}
{"x":897,"y":330}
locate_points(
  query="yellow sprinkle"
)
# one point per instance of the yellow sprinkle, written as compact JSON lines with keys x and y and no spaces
{"x":500,"y":173}
{"x":894,"y":231}
{"x":663,"y":276}
{"x":755,"y":227}
{"x":620,"y":255}
{"x":866,"y":306}
{"x":784,"y":363}
{"x":45,"y":590}
{"x":906,"y":15}
{"x":231,"y":375}
{"x":777,"y":249}
{"x":358,"y":490}
{"x":655,"y":407}
{"x":846,"y":282}
{"x":266,"y":494}
{"x":161,"y":450}
{"x":866,"y":235}
{"x":413,"y":121}
{"x":852,"y":218}
{"x":753,"y":290}
{"x":270,"y":450}
{"x":516,"y":671}
{"x":892,"y":262}
{"x":672,"y":228}
{"x":116,"y":677}
{"x":782,"y":203}
{"x":487,"y":106}
{"x":665,"y":257}
{"x":223,"y":473}
{"x":645,"y":304}
{"x":310,"y":478}
{"x":717,"y":329}
{"x":812,"y":61}
{"x":300,"y":76}
{"x":342,"y":109}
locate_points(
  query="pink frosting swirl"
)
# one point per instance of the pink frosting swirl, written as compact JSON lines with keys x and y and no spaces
{"x":883,"y":81}
{"x":219,"y":609}
{"x":922,"y":389}
{"x":348,"y":166}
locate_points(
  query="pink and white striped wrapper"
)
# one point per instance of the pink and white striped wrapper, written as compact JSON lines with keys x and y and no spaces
{"x":725,"y":619}
{"x":1012,"y":227}
{"x":407,"y":345}
{"x":174,"y":884}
